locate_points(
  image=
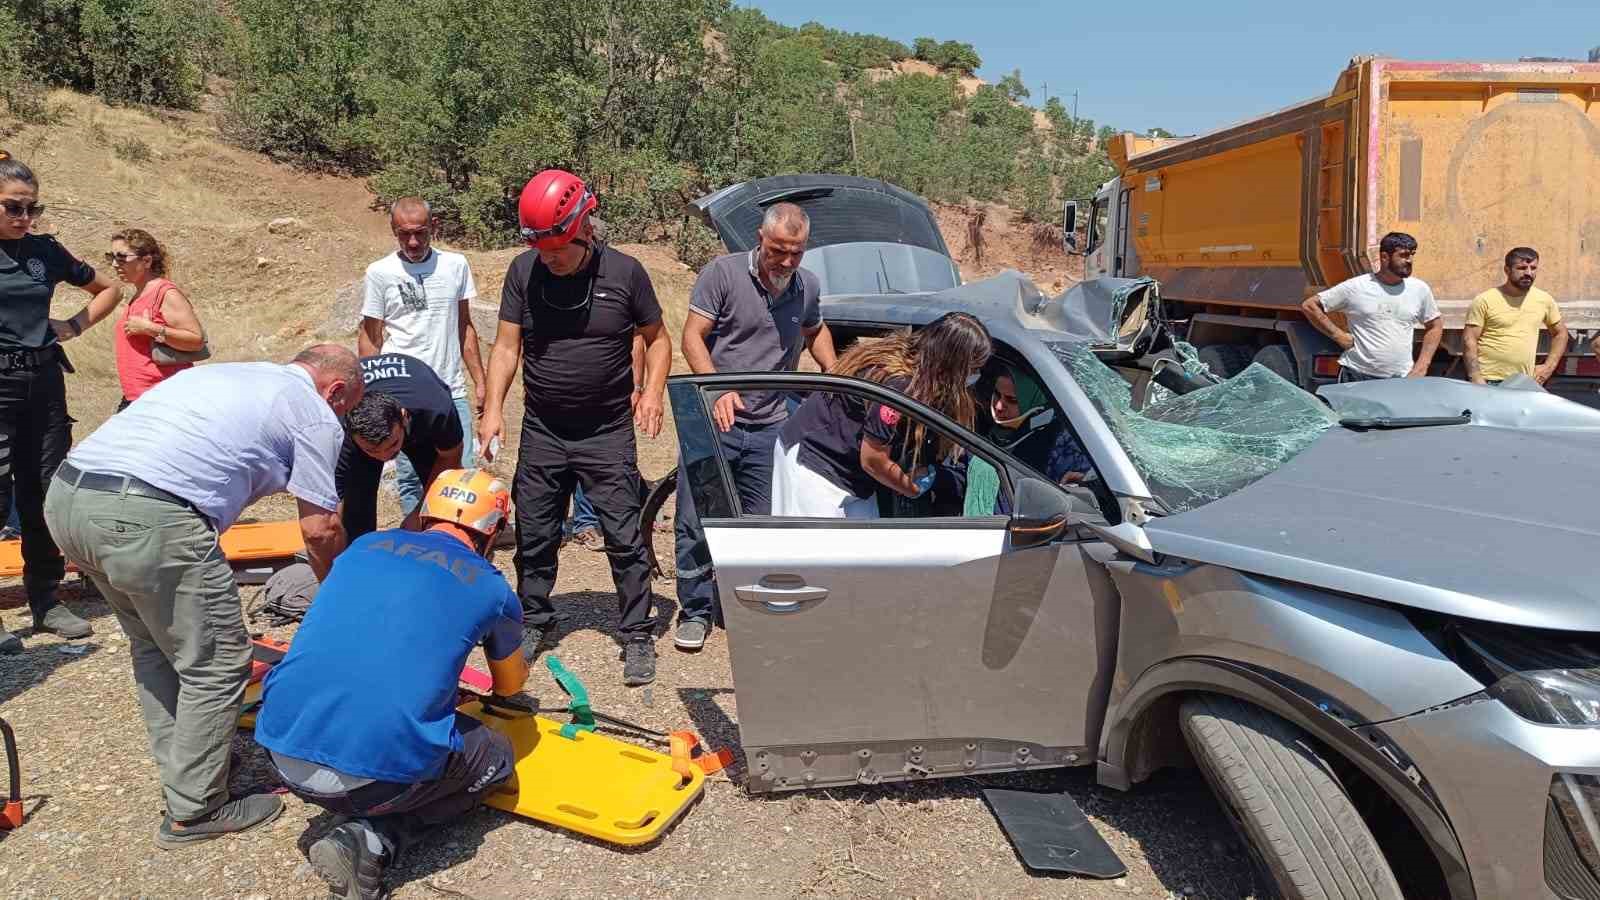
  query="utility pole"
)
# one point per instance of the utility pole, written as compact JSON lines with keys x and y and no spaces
{"x":1074,"y":106}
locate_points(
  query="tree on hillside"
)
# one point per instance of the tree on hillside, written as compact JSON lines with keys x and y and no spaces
{"x":1013,"y":87}
{"x":1160,"y":133}
{"x":952,"y":56}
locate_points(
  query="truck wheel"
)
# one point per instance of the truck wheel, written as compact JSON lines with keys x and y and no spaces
{"x":1225,"y":360}
{"x":1279,"y":359}
{"x":1286,"y":803}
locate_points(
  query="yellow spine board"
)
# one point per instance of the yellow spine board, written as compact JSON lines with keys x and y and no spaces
{"x":593,"y":784}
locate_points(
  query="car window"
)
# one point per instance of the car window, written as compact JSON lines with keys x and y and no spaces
{"x":1197,"y":447}
{"x":842,"y":454}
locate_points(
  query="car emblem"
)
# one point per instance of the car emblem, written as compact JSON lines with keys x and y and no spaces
{"x":36,"y":269}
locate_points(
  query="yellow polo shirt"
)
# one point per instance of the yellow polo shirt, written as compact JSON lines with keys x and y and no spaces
{"x":1509,"y":342}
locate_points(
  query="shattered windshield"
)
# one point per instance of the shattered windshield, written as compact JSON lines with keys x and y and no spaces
{"x":1194,"y":448}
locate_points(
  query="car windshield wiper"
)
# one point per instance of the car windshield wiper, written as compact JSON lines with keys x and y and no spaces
{"x":1388,"y":423}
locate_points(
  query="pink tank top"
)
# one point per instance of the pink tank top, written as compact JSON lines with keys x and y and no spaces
{"x":136,"y":370}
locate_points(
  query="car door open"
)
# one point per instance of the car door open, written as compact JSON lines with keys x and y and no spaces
{"x":895,"y":648}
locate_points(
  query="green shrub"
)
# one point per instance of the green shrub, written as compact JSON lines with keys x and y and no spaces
{"x":133,"y":150}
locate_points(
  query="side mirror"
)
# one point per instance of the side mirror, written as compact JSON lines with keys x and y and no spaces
{"x":1028,"y":532}
{"x":1069,"y":227}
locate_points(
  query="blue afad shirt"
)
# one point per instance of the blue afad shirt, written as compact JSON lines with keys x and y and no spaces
{"x":368,"y":686}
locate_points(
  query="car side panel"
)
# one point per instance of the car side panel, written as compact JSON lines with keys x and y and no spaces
{"x":1367,"y":656}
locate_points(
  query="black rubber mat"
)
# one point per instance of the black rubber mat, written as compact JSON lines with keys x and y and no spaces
{"x":1052,"y":834}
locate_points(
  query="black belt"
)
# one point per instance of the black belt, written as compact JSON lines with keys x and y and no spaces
{"x":116,"y":484}
{"x":11,"y":360}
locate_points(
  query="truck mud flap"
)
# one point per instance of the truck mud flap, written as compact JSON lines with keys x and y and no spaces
{"x":1051,"y":834}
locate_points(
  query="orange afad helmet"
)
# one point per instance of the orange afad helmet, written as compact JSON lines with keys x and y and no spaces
{"x":472,"y":498}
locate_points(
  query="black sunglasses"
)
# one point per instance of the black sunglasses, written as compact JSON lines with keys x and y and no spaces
{"x":115,"y":258}
{"x":17,"y":210}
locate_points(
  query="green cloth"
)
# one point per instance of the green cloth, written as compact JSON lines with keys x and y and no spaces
{"x":983,"y":488}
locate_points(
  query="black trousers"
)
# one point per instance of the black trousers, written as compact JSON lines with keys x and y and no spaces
{"x":401,"y":811}
{"x":605,"y":462}
{"x":35,"y":434}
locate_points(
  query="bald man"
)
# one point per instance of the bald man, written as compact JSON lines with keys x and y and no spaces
{"x":137,"y":507}
{"x":418,"y":303}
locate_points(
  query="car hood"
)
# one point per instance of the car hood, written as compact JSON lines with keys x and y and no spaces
{"x":1490,"y":523}
{"x":843,"y":209}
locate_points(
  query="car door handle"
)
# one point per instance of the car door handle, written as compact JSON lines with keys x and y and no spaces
{"x":780,"y":599}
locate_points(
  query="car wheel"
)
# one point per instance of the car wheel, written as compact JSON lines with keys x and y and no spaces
{"x":655,"y":497}
{"x":1225,"y":360}
{"x":1279,"y":359}
{"x":1298,"y":822}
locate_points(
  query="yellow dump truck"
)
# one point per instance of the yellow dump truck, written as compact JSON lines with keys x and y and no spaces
{"x":1242,"y":224}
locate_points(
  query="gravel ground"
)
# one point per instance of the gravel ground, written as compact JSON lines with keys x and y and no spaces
{"x":93,"y":801}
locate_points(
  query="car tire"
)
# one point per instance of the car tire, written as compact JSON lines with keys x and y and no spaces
{"x":1279,"y":359}
{"x":1284,"y":799}
{"x":655,"y":497}
{"x":1225,"y":360}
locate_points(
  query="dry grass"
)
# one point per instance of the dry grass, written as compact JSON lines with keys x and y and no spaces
{"x":91,"y":791}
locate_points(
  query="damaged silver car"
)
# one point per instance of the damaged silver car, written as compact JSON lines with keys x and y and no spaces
{"x":1365,"y":618}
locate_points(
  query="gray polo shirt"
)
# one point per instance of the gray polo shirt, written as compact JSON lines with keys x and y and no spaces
{"x":223,"y":436}
{"x":752,"y":331}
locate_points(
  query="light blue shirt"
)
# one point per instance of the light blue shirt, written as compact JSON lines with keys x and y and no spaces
{"x":222,"y":437}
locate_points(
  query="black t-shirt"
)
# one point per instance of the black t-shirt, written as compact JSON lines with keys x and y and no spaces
{"x":435,"y":425}
{"x":30,"y":269}
{"x":577,"y":364}
{"x":828,"y":428}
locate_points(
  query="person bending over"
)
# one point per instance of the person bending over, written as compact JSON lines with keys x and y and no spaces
{"x":835,"y":451}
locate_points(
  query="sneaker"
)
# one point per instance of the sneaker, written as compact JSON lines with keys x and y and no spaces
{"x":589,"y":539}
{"x":351,"y":859}
{"x":532,"y":640}
{"x":638,"y":662}
{"x":60,"y":620}
{"x":691,"y":634}
{"x":232,"y":817}
{"x":9,"y":643}
{"x":10,"y":534}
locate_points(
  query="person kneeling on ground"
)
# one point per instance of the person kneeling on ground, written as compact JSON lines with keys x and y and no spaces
{"x":360,"y":716}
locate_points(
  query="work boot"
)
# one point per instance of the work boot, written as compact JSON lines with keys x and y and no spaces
{"x":532,"y":641}
{"x":59,"y":620}
{"x":638,"y":662}
{"x":352,"y":859}
{"x":232,"y":817}
{"x":9,"y":643}
{"x":691,"y":634}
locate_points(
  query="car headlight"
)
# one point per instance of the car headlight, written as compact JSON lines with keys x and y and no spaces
{"x":1548,"y":677}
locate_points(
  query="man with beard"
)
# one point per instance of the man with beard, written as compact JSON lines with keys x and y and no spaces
{"x":568,"y":310}
{"x":1502,"y":334}
{"x":750,"y":312}
{"x":1382,"y":309}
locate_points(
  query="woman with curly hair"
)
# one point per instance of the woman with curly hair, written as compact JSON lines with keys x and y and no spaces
{"x":159,"y":315}
{"x":836,"y":450}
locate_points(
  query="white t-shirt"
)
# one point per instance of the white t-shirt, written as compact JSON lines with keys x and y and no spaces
{"x":1383,"y":319}
{"x":420,"y":305}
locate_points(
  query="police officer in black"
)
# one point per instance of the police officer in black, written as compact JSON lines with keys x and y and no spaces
{"x":35,"y":430}
{"x":568,"y":311}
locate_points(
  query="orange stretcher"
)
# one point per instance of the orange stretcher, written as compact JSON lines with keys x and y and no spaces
{"x":253,"y":543}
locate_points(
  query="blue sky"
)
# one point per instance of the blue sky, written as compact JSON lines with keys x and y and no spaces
{"x":1194,"y":66}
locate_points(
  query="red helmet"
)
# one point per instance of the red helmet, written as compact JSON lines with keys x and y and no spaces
{"x":553,"y":208}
